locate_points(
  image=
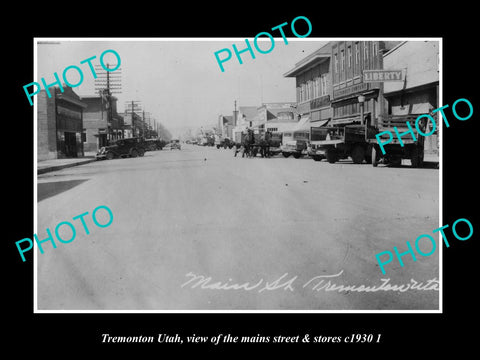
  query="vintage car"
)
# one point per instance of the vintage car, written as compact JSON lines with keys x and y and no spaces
{"x":153,"y":144}
{"x":130,"y":147}
{"x":295,"y":143}
{"x":175,"y":144}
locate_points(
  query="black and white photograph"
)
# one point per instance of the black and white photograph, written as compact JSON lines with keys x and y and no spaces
{"x":270,"y":174}
{"x":217,"y":178}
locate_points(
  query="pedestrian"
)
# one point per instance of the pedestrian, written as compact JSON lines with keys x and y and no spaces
{"x":268,"y":137}
{"x":237,"y":148}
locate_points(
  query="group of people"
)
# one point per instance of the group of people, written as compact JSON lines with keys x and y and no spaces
{"x":249,"y":147}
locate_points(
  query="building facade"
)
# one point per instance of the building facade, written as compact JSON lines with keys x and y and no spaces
{"x":418,"y":93}
{"x":134,"y":125}
{"x":60,"y":130}
{"x":225,"y":125}
{"x":314,"y":85}
{"x":278,"y":112}
{"x":349,"y":59}
{"x":102,"y":123}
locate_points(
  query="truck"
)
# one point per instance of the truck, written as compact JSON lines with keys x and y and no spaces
{"x":295,"y":143}
{"x":340,"y":142}
{"x":413,"y":146}
{"x":275,"y":143}
{"x":223,"y":142}
{"x":316,"y":152}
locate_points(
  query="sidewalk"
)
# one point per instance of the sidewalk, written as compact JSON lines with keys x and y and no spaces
{"x":58,"y":164}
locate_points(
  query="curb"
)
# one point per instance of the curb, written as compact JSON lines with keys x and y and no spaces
{"x":59,"y":167}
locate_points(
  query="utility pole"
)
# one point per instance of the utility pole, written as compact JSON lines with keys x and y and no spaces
{"x":132,"y":107}
{"x":108,"y":84}
{"x":235,"y":113}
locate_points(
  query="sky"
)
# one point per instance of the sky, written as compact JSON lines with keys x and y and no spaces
{"x":178,"y":81}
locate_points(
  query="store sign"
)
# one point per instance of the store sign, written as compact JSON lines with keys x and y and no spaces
{"x":340,"y":93}
{"x":68,"y":112}
{"x":320,"y":102}
{"x":382,"y":75}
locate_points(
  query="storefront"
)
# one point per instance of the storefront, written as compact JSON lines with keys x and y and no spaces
{"x":419,"y":94}
{"x":60,"y":125}
{"x":313,"y":85}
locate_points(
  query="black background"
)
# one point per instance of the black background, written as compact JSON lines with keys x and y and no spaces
{"x":403,"y":334}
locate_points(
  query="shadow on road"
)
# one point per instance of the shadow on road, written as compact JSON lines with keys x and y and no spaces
{"x":49,"y":189}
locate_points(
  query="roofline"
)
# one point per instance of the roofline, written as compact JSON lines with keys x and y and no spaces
{"x":71,"y":100}
{"x":394,"y":48}
{"x":304,"y":66}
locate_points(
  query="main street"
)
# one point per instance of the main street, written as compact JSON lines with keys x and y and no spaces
{"x":180,"y":215}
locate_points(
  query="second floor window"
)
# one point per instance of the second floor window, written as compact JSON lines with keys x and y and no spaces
{"x":357,"y":54}
{"x":365,"y":53}
{"x":323,"y":86}
{"x":349,"y":54}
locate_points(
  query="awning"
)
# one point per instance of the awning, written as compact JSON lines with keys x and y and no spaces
{"x":319,"y":123}
{"x":303,"y":124}
{"x":348,"y":120}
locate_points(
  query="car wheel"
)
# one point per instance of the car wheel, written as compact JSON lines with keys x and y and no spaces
{"x":110,"y":156}
{"x":297,"y":155}
{"x":133,"y":153}
{"x":416,"y":157}
{"x":358,"y":154}
{"x":285,"y":154}
{"x":375,"y":156}
{"x":141,"y":152}
{"x":331,"y":155}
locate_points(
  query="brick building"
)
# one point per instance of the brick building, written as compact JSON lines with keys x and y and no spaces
{"x":59,"y":124}
{"x":101,"y":122}
{"x":349,"y":59}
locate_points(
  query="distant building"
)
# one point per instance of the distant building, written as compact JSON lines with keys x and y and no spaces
{"x":275,"y":117}
{"x":284,"y":111}
{"x":247,"y":115}
{"x":101,"y":121}
{"x":60,"y":124}
{"x":132,"y":125}
{"x":226,"y":125}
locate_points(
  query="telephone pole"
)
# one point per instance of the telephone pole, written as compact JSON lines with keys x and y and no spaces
{"x":132,"y":107}
{"x":106,"y":85}
{"x":235,"y":113}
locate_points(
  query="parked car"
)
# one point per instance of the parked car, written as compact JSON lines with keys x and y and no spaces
{"x":295,"y":143}
{"x":175,"y":144}
{"x":130,"y":147}
{"x":223,"y":143}
{"x":153,"y":144}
